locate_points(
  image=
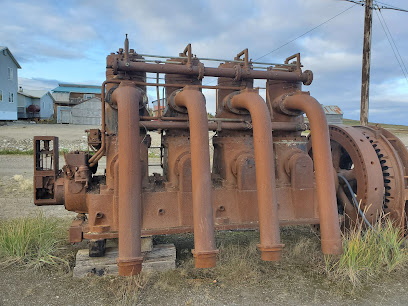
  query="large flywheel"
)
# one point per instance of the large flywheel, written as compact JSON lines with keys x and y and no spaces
{"x":371,"y":164}
{"x":355,"y":159}
{"x":392,"y":155}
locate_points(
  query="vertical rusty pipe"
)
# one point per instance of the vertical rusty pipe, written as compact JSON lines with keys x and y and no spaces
{"x":94,"y":159}
{"x":158,"y":97}
{"x":326,"y":193}
{"x":204,"y":242}
{"x":127,"y":97}
{"x":250,"y":100}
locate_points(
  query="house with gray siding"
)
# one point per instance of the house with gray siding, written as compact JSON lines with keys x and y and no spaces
{"x":86,"y":113}
{"x":33,"y":104}
{"x":8,"y":84}
{"x":77,"y":104}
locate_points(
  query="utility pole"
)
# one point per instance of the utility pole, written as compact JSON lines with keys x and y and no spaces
{"x":365,"y":76}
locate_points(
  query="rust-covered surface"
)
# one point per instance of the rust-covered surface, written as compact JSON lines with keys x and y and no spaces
{"x":264,"y":174}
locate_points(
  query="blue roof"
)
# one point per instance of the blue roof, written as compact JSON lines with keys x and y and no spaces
{"x":93,"y":89}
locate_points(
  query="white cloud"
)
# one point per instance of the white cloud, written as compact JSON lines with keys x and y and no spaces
{"x":71,"y":39}
{"x":43,"y":84}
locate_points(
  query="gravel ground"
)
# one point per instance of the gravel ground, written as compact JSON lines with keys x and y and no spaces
{"x":16,"y":171}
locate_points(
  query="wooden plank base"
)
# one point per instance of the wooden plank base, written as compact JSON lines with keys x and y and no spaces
{"x":162,"y":257}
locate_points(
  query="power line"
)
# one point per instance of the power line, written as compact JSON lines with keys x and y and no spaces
{"x":306,"y":32}
{"x":380,"y":6}
{"x":389,"y":7}
{"x":356,"y":2}
{"x":402,"y":61}
{"x":393,"y":45}
{"x":301,"y":35}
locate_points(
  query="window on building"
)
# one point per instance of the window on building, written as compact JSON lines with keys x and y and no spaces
{"x":10,"y":73}
{"x":11,"y":97}
{"x":1,"y":96}
{"x":88,"y":96}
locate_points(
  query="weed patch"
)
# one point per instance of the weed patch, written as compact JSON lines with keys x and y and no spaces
{"x":26,"y":152}
{"x":32,"y":242}
{"x":368,"y":254}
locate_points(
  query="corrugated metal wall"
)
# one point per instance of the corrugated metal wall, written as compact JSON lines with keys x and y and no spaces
{"x":87,"y":113}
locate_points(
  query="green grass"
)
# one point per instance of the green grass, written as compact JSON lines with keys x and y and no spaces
{"x":368,"y":254}
{"x":32,"y":241}
{"x":384,"y":125}
{"x":25,"y":152}
{"x":16,"y":152}
{"x":154,"y":154}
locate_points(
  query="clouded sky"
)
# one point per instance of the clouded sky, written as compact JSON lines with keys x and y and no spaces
{"x":67,"y":41}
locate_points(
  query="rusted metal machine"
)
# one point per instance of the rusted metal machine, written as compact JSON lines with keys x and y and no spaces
{"x":264,"y":172}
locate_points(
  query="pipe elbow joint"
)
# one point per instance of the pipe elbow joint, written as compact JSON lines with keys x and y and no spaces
{"x":125,"y":90}
{"x":244,"y":102}
{"x":182,"y":100}
{"x":283,"y":103}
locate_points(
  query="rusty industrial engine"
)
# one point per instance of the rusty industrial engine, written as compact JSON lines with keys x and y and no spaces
{"x":263,"y":171}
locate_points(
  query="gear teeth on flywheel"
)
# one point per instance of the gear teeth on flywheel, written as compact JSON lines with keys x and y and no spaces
{"x":384,"y":167}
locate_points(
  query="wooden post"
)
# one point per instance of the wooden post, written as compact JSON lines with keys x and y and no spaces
{"x":365,"y":77}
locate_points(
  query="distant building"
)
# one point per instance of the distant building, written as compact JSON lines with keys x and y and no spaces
{"x":87,"y":113}
{"x":155,"y":109}
{"x":334,"y":115}
{"x":8,"y":84}
{"x":34,"y":104}
{"x":68,"y":96}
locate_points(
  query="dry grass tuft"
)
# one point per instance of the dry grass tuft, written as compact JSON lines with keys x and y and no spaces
{"x":23,"y":183}
{"x":129,"y":289}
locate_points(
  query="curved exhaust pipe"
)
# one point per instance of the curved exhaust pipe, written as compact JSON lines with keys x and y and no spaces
{"x":130,"y":259}
{"x":204,"y":242}
{"x":326,"y":193}
{"x":250,"y":100}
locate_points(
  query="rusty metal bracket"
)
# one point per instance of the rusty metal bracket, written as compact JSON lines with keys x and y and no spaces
{"x":245,"y":59}
{"x":188,"y":54}
{"x":297,"y":56}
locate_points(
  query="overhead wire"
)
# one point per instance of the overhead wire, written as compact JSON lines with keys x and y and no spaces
{"x":393,"y":45}
{"x":390,"y":7}
{"x":307,"y":32}
{"x":381,"y":6}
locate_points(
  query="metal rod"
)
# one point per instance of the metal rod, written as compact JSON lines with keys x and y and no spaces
{"x":142,"y":118}
{"x":155,"y":61}
{"x":215,"y":60}
{"x":158,"y":97}
{"x":181,"y":85}
{"x":94,"y":159}
{"x":220,"y":125}
{"x":295,"y":76}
